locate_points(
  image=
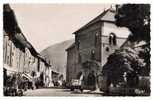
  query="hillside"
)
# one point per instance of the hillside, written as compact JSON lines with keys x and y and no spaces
{"x":57,"y":55}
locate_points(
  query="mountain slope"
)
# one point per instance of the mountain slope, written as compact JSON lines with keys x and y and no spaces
{"x":57,"y":55}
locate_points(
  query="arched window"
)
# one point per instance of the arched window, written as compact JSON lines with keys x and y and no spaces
{"x":112,"y":39}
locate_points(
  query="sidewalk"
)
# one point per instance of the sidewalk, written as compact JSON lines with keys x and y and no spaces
{"x":93,"y":92}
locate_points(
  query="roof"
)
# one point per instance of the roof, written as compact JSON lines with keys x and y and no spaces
{"x":43,"y":60}
{"x":9,"y":20}
{"x":32,"y":49}
{"x":18,"y":37}
{"x":13,"y":30}
{"x":105,"y":16}
{"x":71,"y":46}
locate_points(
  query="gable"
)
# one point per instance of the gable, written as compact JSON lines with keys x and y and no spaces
{"x":107,"y":15}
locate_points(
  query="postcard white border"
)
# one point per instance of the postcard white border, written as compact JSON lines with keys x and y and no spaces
{"x":69,"y":2}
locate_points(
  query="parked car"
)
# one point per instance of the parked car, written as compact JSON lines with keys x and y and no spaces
{"x":76,"y":84}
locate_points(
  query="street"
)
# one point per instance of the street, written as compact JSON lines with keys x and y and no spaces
{"x":59,"y":92}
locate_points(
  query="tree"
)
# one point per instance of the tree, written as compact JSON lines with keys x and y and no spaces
{"x":136,"y":17}
{"x":125,"y":60}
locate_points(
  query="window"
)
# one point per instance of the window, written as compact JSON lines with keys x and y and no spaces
{"x":38,"y":68}
{"x":112,"y":39}
{"x":107,"y":49}
{"x":93,"y":55}
{"x":8,"y":60}
{"x":96,"y":38}
{"x":79,"y":58}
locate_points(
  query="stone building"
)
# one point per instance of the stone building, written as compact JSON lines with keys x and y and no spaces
{"x":72,"y":63}
{"x":94,"y":42}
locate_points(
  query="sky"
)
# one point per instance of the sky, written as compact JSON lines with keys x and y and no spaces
{"x":46,"y":24}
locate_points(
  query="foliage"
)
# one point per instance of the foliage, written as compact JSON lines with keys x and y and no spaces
{"x":144,"y":53}
{"x":121,"y":61}
{"x":136,"y":17}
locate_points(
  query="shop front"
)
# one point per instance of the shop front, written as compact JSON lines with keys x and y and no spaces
{"x":10,"y":81}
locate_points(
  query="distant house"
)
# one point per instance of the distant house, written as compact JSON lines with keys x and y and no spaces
{"x":94,"y":42}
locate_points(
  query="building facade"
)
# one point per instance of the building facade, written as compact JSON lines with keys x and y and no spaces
{"x":94,"y":42}
{"x":72,"y":61}
{"x":19,"y":56}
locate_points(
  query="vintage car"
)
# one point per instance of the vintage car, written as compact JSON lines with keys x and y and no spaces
{"x":76,"y":84}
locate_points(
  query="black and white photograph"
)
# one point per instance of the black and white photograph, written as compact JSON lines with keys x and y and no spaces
{"x":76,"y":50}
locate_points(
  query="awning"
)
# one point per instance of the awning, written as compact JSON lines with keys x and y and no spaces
{"x":10,"y":68}
{"x":54,"y":72}
{"x":27,"y":76}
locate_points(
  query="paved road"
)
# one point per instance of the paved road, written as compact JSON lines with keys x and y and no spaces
{"x":59,"y":92}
